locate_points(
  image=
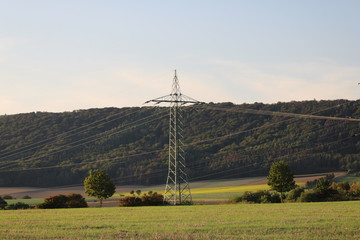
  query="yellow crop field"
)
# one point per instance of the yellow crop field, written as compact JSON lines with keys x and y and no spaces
{"x":217,"y":193}
{"x":233,"y":189}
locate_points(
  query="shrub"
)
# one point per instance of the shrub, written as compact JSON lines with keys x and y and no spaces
{"x":269,"y":197}
{"x":294,"y":194}
{"x":343,"y":185}
{"x":56,"y":201}
{"x":312,"y":184}
{"x":26,"y":197}
{"x":148,"y":199}
{"x":8,"y":197}
{"x":3,"y":203}
{"x":130,"y":201}
{"x":325,"y":190}
{"x":236,"y":199}
{"x":152,"y":199}
{"x":340,"y":191}
{"x":253,"y":197}
{"x":355,"y":189}
{"x":323,"y":185}
{"x":76,"y":201}
{"x":61,"y":201}
{"x":309,"y":196}
{"x":260,"y":196}
{"x":18,"y":205}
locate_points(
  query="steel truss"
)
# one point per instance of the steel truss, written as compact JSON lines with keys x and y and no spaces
{"x":177,"y":189}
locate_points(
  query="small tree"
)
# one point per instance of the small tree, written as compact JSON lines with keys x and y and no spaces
{"x":281,"y":178}
{"x":323,"y":185}
{"x":3,"y":203}
{"x":98,"y":184}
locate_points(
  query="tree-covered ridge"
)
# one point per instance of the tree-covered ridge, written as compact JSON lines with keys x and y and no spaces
{"x":47,"y":149}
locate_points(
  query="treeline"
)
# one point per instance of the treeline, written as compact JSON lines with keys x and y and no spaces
{"x":54,"y":149}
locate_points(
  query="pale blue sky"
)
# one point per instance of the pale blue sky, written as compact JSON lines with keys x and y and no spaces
{"x":74,"y":54}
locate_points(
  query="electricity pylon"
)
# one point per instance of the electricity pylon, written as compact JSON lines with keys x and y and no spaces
{"x":177,"y":189}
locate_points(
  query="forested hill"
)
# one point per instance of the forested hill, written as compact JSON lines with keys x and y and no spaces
{"x":222,"y":141}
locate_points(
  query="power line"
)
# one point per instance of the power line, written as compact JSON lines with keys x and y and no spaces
{"x":66,"y":134}
{"x":129,"y":126}
{"x":225,"y":136}
{"x":129,"y":156}
{"x":283,"y":114}
{"x":209,"y":107}
{"x":155,"y":173}
{"x":201,"y":141}
{"x":83,"y":163}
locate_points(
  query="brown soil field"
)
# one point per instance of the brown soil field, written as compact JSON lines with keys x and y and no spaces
{"x":19,"y":192}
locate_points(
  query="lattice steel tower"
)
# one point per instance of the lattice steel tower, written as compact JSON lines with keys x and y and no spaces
{"x":177,"y":189}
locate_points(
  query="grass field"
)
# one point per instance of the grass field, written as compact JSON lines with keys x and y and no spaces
{"x":32,"y":201}
{"x":332,"y":220}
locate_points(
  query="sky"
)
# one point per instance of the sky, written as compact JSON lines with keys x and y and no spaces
{"x":68,"y":55}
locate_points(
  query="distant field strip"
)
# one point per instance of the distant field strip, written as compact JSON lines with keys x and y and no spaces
{"x":230,"y":189}
{"x":215,"y":193}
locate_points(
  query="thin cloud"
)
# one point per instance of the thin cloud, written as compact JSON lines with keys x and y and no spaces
{"x":286,"y":82}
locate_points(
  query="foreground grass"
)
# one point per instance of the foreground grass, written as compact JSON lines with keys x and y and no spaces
{"x":335,"y":220}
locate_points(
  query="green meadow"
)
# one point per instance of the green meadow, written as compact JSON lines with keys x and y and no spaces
{"x":32,"y":201}
{"x":348,"y":178}
{"x":331,"y":220}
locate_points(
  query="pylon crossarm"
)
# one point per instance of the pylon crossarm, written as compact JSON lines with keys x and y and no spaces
{"x":190,"y":99}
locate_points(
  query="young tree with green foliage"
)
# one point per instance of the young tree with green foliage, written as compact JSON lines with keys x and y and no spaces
{"x":323,"y":185}
{"x":3,"y":203}
{"x":98,"y":184}
{"x":281,"y":178}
